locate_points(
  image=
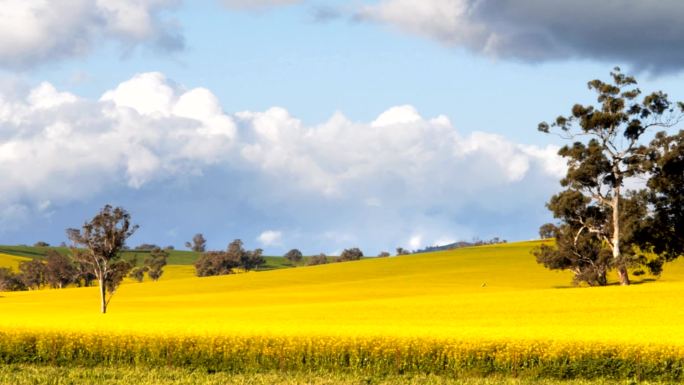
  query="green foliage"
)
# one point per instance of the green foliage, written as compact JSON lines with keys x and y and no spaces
{"x":665,"y":232}
{"x":597,"y":218}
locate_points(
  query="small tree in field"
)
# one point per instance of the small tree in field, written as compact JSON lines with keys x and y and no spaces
{"x":246,"y":259}
{"x":547,"y":231}
{"x":198,"y":244}
{"x":155,"y":263}
{"x":102,"y":240}
{"x":402,"y":251}
{"x":607,"y":149}
{"x":294,"y":256}
{"x":320,"y":259}
{"x":353,"y":254}
{"x":215,"y":263}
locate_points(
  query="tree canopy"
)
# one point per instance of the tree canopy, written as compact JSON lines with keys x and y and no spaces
{"x":603,"y":224}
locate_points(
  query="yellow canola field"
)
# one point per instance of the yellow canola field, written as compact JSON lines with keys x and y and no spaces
{"x":11,"y":261}
{"x":489,"y":293}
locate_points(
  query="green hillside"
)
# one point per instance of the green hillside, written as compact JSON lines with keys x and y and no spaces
{"x":176,"y":257}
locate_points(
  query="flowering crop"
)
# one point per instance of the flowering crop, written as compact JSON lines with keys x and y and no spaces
{"x":481,"y":310}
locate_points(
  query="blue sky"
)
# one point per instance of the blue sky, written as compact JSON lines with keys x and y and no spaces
{"x":383,"y":124}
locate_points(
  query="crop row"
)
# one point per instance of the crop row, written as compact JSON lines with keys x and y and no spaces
{"x":374,"y":356}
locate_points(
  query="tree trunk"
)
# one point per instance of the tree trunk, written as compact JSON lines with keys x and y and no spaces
{"x":103,"y":296}
{"x":623,"y":276}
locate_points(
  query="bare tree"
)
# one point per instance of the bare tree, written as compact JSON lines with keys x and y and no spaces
{"x":102,"y":239}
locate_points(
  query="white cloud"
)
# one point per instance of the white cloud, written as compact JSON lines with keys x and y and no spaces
{"x":270,"y":237}
{"x":34,"y":32}
{"x":55,"y":145}
{"x":397,"y":115}
{"x":257,"y":4}
{"x":339,"y":184}
{"x":399,"y":149}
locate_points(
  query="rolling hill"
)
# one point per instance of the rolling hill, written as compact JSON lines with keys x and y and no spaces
{"x":488,"y":292}
{"x":176,"y":257}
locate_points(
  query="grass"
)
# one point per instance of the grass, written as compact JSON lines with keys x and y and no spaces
{"x":118,"y":375}
{"x":176,"y":257}
{"x":490,"y":308}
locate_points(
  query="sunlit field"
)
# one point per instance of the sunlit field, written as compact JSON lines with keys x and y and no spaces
{"x":490,"y":300}
{"x":11,"y":261}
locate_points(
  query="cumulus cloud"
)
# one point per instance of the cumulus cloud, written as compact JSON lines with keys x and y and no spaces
{"x":270,"y":237}
{"x":34,"y":32}
{"x":334,"y":185}
{"x":54,"y":145}
{"x":341,"y":158}
{"x":647,"y":34}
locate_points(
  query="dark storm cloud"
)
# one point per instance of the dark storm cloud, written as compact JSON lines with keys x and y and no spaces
{"x":645,"y":34}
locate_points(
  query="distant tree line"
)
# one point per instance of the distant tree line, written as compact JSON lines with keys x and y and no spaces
{"x":58,"y":271}
{"x":229,"y":261}
{"x":456,"y":245}
{"x":295,"y":257}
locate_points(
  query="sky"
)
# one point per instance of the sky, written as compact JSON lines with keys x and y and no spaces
{"x":318,"y":125}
